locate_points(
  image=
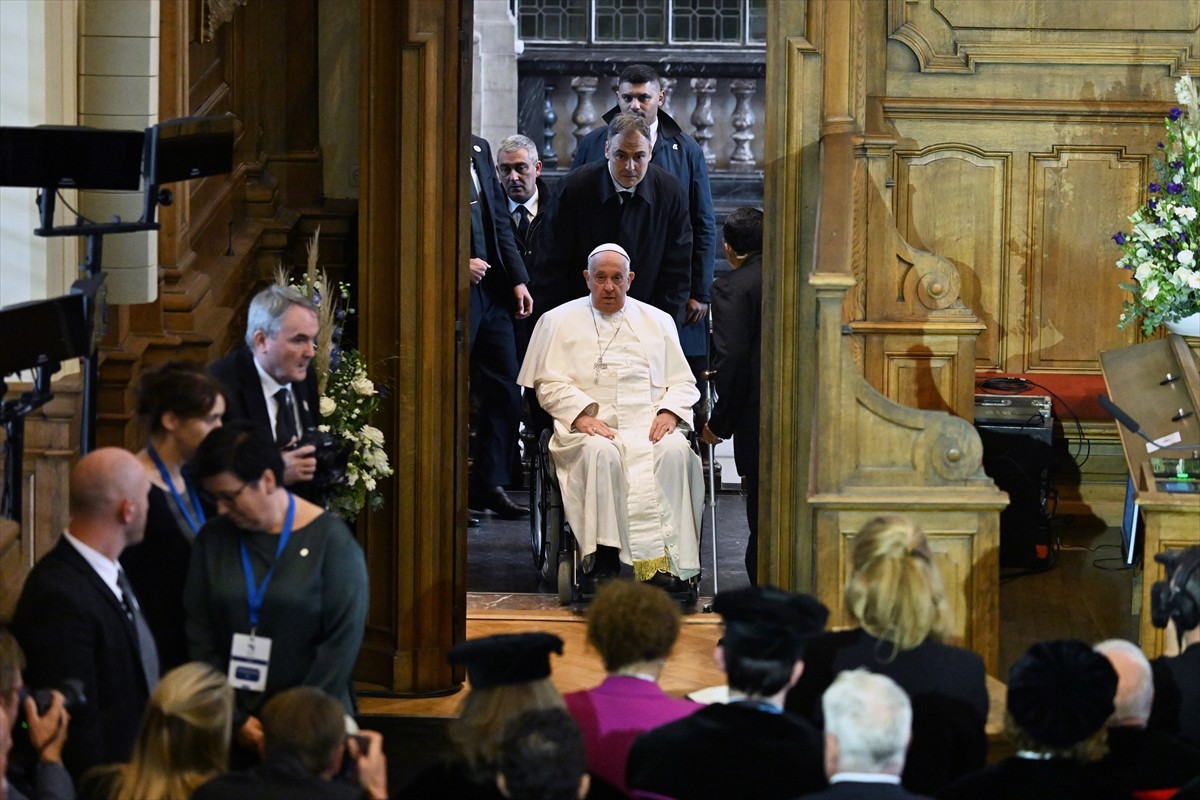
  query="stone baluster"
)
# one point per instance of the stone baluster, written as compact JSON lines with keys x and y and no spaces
{"x":741,"y":159}
{"x":549,"y":120}
{"x":585,"y":113}
{"x":668,"y":86}
{"x":702,"y":116}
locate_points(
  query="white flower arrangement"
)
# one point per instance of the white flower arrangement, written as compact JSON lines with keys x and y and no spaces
{"x":1160,"y":250}
{"x":348,"y":397}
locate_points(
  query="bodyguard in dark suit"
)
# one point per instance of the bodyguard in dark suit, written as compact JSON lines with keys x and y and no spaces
{"x":270,"y":380}
{"x":498,"y":294}
{"x":626,"y":200}
{"x":737,"y":359}
{"x":77,"y":616}
{"x":639,"y":91}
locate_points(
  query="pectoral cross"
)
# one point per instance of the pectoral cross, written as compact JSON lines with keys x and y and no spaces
{"x":600,"y":367}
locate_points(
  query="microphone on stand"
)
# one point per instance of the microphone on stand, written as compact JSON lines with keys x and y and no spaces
{"x":1132,"y":425}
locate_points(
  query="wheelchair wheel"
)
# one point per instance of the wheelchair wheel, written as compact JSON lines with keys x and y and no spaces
{"x":538,"y":501}
{"x":566,"y":581}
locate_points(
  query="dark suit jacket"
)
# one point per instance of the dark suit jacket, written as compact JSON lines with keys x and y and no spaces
{"x":737,"y":348}
{"x":1145,"y":759}
{"x":71,"y":625}
{"x":502,"y":253}
{"x":653,"y":227}
{"x":1177,"y":695}
{"x":728,"y":751}
{"x":947,"y":688}
{"x":1016,"y":778}
{"x":525,"y":245}
{"x":244,"y":397}
{"x":279,"y":778}
{"x":849,"y":790}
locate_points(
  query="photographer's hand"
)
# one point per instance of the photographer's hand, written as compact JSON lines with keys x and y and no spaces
{"x":250,"y":736}
{"x":299,"y":465}
{"x":48,"y":732}
{"x":371,"y":766}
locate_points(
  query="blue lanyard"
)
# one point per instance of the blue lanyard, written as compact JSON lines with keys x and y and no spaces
{"x":255,"y":594}
{"x":757,"y":705}
{"x":194,"y":524}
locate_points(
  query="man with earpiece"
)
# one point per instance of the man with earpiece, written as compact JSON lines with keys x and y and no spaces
{"x":1176,"y":707}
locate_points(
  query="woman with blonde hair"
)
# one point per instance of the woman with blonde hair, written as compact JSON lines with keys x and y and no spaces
{"x":183,"y":741}
{"x":895,"y":593}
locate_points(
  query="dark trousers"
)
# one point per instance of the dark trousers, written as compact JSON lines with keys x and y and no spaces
{"x":750,"y":489}
{"x":494,"y":363}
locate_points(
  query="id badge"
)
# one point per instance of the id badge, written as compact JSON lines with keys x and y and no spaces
{"x":249,"y":658}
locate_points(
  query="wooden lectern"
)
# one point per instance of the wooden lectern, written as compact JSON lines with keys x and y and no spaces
{"x":1157,"y":384}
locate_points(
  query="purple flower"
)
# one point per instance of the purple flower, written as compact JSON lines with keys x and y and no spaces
{"x":1176,"y":164}
{"x":1161,"y":146}
{"x":1174,"y":188}
{"x":1176,"y":113}
{"x":1153,"y":204}
{"x":1119,"y":238}
{"x":1154,"y":188}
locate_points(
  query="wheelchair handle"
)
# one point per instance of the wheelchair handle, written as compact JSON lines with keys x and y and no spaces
{"x":708,"y":374}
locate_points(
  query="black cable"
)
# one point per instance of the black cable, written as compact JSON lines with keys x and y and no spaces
{"x":63,"y":200}
{"x":1019,"y":385}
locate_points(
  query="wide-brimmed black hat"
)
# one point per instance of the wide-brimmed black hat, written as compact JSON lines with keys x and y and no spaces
{"x":768,"y":623}
{"x":506,"y":659}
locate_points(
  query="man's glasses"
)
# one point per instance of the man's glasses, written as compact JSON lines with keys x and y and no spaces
{"x":228,"y":498}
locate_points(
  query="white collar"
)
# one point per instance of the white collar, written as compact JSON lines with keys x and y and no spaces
{"x":865,"y":777}
{"x":270,"y":385}
{"x":621,"y":188}
{"x":104,"y":566}
{"x":653,"y":133}
{"x":532,"y":204}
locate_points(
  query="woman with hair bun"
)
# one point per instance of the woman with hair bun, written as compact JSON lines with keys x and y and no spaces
{"x":895,"y":593}
{"x":178,"y":403}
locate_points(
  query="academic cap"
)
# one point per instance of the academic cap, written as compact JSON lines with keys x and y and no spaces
{"x":506,"y":659}
{"x":1061,"y":692}
{"x":768,"y":623}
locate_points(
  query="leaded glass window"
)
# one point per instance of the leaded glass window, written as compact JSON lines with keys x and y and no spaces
{"x":644,"y":22}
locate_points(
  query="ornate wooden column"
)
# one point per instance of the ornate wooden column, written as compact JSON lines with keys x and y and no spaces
{"x":415,"y":91}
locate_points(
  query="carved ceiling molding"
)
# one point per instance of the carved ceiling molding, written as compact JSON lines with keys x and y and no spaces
{"x":953,"y":36}
{"x":216,"y":14}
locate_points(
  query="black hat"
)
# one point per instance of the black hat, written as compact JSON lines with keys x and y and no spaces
{"x":1061,"y":692}
{"x":506,"y":659}
{"x":768,"y":623}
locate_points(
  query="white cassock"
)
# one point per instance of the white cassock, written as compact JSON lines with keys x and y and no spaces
{"x":645,"y":498}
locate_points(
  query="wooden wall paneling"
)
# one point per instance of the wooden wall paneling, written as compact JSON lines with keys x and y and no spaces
{"x":1072,"y":312}
{"x":51,"y":446}
{"x":414,"y":305}
{"x":969,"y":231}
{"x":792,"y":152}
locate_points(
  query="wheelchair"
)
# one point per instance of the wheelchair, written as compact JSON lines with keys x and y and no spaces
{"x":555,"y":551}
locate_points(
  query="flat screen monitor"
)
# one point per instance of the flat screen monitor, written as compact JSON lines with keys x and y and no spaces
{"x":43,"y":331}
{"x":71,"y":156}
{"x":192,"y":147}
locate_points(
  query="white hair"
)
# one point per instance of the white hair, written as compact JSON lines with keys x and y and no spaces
{"x":1135,"y":682}
{"x":871,"y":718}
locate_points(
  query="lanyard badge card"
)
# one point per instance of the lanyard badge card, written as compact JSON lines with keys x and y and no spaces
{"x":249,"y":654}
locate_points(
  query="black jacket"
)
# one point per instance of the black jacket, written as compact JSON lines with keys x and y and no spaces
{"x":737,"y":358}
{"x":71,"y":625}
{"x":502,"y":252}
{"x":653,"y":227}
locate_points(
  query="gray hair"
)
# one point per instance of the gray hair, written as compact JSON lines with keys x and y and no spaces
{"x":516,"y":143}
{"x":624,"y":123}
{"x":1135,"y":681}
{"x":871,"y":718}
{"x":268,"y":308}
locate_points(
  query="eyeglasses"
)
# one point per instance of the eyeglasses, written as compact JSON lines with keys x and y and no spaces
{"x":228,"y":498}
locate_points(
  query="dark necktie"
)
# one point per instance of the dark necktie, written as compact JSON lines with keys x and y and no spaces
{"x":147,"y":651}
{"x":285,"y":418}
{"x":624,"y":195}
{"x":521,"y":217}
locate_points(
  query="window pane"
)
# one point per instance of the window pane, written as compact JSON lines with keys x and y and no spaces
{"x":553,"y":20}
{"x":707,"y":21}
{"x":631,"y":21}
{"x":758,"y":20}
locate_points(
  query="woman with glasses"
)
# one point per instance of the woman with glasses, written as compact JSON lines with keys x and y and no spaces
{"x":276,"y":595}
{"x":179,"y":404}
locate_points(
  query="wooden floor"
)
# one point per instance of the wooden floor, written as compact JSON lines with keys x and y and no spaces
{"x":1086,"y":595}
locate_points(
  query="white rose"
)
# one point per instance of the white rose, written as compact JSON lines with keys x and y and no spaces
{"x":373,"y":435}
{"x":326,"y":406}
{"x":363,"y":386}
{"x":1144,"y":271}
{"x":1150,"y":291}
{"x":1186,"y":277}
{"x":1186,"y":257}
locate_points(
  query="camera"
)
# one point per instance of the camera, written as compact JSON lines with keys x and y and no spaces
{"x":71,"y":689}
{"x":331,"y":456}
{"x":1176,"y":602}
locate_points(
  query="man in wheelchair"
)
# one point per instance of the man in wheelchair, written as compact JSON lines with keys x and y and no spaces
{"x":610,"y":372}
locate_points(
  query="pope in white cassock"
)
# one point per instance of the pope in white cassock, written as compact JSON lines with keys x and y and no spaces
{"x":610,"y":371}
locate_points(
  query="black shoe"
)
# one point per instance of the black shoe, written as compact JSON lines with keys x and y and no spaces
{"x":666,"y":581}
{"x":499,"y":503}
{"x":473,"y":522}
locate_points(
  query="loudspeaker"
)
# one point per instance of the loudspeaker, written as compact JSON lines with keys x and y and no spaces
{"x":1017,"y":458}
